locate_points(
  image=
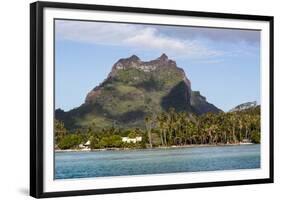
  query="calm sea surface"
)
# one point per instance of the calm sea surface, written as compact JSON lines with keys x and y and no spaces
{"x":137,"y":162}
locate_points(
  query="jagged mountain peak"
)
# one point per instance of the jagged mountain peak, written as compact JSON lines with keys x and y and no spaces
{"x":133,"y":58}
{"x":135,"y":88}
{"x":163,"y":57}
{"x":134,"y":62}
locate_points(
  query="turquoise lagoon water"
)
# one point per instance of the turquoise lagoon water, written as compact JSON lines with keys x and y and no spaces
{"x":155,"y":161}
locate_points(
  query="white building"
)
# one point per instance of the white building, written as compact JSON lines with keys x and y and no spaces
{"x":88,"y":143}
{"x":131,"y":140}
{"x":85,"y":146}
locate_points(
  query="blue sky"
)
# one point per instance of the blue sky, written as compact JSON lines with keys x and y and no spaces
{"x":223,"y":64}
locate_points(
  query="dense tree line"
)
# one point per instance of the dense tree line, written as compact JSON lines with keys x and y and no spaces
{"x":222,"y":128}
{"x":99,"y":139}
{"x":168,"y":129}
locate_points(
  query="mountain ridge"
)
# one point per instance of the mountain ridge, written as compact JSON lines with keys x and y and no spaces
{"x":244,"y":106}
{"x":134,"y":89}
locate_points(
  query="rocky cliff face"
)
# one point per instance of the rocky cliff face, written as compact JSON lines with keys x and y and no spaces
{"x":139,"y":69}
{"x":133,"y":89}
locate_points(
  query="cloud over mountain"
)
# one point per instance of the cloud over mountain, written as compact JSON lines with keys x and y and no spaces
{"x":137,"y":36}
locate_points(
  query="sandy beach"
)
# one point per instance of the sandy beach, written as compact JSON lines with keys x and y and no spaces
{"x":160,"y":147}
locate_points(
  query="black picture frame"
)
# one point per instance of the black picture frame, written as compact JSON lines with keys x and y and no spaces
{"x":36,"y":98}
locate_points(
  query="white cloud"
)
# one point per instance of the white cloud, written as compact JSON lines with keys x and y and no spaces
{"x":134,"y":36}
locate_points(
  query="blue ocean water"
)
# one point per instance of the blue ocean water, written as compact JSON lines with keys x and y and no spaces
{"x":155,"y":161}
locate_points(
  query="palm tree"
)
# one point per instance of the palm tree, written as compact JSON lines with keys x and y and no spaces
{"x":247,"y":123}
{"x":240,"y":128}
{"x":165,"y":134}
{"x":60,"y":130}
{"x":161,"y":127}
{"x":148,"y":123}
{"x":233,"y":120}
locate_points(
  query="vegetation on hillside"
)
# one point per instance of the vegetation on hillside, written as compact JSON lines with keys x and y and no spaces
{"x":168,"y":129}
{"x":129,"y":94}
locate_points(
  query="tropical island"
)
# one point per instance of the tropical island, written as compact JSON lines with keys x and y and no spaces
{"x":168,"y":129}
{"x":151,"y":105}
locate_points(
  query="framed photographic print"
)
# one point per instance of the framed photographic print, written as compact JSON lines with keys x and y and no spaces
{"x":127,"y":99}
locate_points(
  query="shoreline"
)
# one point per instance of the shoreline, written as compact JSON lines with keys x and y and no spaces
{"x":160,"y":147}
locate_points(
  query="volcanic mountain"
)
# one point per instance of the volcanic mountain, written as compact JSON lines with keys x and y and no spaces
{"x":133,"y":89}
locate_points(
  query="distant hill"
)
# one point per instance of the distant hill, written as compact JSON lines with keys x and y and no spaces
{"x":244,"y":106}
{"x":132,"y":90}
